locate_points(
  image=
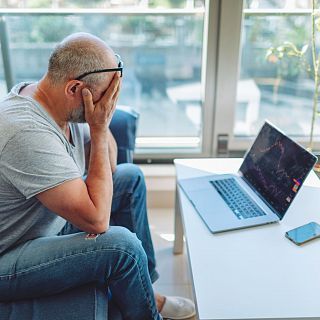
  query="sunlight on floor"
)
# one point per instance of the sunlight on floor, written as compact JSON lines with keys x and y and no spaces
{"x":167,"y":236}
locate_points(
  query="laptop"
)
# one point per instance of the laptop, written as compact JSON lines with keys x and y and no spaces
{"x":269,"y":178}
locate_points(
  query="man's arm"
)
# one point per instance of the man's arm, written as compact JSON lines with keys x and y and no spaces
{"x":88,"y":204}
{"x":113,"y":151}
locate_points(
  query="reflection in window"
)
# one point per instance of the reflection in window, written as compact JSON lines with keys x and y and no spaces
{"x":280,"y":91}
{"x":161,"y":53}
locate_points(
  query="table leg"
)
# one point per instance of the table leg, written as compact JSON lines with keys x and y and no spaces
{"x":178,"y":227}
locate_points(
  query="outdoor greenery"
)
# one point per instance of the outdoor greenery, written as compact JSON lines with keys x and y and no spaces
{"x":306,"y":56}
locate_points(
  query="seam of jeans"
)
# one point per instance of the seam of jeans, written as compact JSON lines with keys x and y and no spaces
{"x":44,"y":264}
{"x":147,"y":244}
{"x":95,"y":304}
{"x":14,"y":267}
{"x":153,"y":309}
{"x":133,"y":220}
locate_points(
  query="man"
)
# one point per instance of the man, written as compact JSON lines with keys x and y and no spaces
{"x":55,"y":230}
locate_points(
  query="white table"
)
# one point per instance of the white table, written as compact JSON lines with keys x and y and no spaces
{"x":253,"y":273}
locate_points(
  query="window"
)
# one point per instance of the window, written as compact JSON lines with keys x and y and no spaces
{"x":271,"y":87}
{"x":252,"y":86}
{"x":160,"y":42}
{"x":197,"y":71}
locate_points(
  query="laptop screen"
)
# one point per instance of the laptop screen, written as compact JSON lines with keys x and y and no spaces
{"x":276,"y":167}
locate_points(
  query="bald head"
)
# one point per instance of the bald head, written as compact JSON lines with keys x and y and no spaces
{"x":77,"y":54}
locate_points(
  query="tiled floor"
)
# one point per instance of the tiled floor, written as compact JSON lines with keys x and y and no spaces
{"x":175,"y":277}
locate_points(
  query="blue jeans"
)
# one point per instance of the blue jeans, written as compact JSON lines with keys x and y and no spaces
{"x":129,"y":209}
{"x":116,"y":259}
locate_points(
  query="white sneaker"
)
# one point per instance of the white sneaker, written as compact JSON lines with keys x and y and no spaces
{"x":177,"y":308}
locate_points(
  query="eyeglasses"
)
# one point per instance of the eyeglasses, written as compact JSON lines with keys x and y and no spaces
{"x":120,"y":68}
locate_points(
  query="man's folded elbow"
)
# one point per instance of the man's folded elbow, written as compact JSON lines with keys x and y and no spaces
{"x":97,"y":222}
{"x":101,"y":226}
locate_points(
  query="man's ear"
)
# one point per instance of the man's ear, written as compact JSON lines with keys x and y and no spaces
{"x":73,"y":88}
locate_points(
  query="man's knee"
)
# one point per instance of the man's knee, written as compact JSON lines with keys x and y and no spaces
{"x":120,"y":238}
{"x":130,"y":177}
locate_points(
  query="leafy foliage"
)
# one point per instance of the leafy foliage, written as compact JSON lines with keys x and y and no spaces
{"x":288,"y":52}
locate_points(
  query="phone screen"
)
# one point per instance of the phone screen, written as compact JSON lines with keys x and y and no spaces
{"x":304,"y":233}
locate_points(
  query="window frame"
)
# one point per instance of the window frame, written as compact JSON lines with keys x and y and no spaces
{"x":221,"y":58}
{"x":197,"y":146}
{"x":231,"y":18}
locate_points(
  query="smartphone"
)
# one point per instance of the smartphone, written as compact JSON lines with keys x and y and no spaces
{"x":304,"y":233}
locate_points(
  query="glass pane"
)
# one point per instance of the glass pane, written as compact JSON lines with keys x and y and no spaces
{"x":279,"y":4}
{"x":271,"y":86}
{"x":161,"y":53}
{"x":133,"y":4}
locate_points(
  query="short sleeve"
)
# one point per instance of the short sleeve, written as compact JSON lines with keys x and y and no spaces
{"x":36,"y":160}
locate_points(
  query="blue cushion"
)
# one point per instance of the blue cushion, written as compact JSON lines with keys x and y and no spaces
{"x":123,"y":127}
{"x":83,"y":303}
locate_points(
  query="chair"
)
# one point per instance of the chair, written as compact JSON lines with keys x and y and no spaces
{"x":88,"y":302}
{"x":123,"y":127}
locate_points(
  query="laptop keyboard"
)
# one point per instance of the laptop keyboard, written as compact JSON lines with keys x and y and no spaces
{"x":237,"y":200}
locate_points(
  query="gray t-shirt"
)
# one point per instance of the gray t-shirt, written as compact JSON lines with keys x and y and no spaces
{"x":35,"y":156}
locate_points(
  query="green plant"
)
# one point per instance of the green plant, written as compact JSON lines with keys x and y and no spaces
{"x":288,"y":51}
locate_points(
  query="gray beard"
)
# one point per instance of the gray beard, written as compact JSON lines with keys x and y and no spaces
{"x":77,"y":115}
